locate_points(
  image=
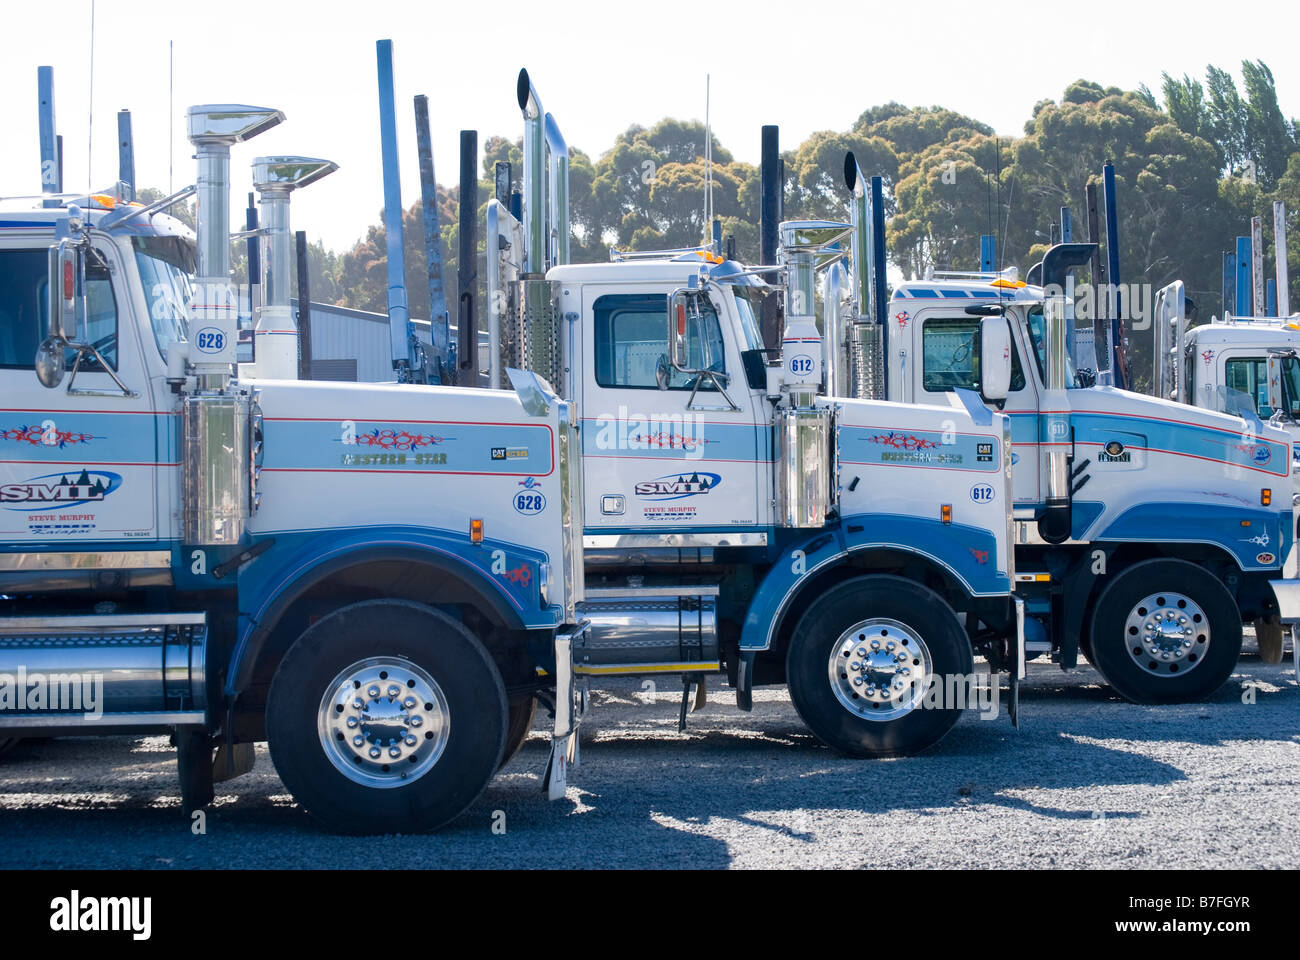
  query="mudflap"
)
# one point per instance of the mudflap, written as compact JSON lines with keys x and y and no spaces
{"x":1288,"y":608}
{"x":571,"y":702}
{"x":1017,"y":666}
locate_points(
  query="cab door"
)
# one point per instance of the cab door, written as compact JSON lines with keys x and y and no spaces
{"x":661,"y":459}
{"x":78,"y":463}
{"x":949,"y":357}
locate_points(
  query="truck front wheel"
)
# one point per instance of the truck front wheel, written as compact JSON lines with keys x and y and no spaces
{"x":1165,"y":631}
{"x":879,"y":666}
{"x":386,"y":717}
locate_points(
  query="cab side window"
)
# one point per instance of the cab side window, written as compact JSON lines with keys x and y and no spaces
{"x":24,"y":299}
{"x":632,"y":343}
{"x":23,"y":293}
{"x":1247,"y":381}
{"x":951,"y":356}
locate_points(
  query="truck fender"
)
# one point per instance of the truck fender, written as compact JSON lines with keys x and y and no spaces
{"x":965,"y":553}
{"x":268,"y":590}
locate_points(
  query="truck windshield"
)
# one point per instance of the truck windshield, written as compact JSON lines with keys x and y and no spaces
{"x":1037,"y":327}
{"x":748,"y":305}
{"x":166,"y":266}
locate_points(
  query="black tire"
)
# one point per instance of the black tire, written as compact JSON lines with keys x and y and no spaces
{"x":1191,"y":676}
{"x":817,"y":638}
{"x":519,"y":725}
{"x":408,"y":636}
{"x":7,"y":744}
{"x":194,"y":764}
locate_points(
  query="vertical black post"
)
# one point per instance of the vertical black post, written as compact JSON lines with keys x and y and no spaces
{"x":254,"y":254}
{"x":1098,"y":278}
{"x":304,"y":308}
{"x":467,"y":262}
{"x":770,"y":216}
{"x":731,"y":246}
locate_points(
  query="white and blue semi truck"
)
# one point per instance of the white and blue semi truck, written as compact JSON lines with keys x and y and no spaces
{"x":1146,"y":531}
{"x":382,"y":580}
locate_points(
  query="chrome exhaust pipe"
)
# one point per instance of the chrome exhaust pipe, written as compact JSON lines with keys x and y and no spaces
{"x":275,"y":332}
{"x":557,"y":199}
{"x":535,"y":176}
{"x":213,"y":128}
{"x":1056,"y":523}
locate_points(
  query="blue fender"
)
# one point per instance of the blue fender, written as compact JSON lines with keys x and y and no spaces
{"x":1257,"y":538}
{"x":968,"y":554}
{"x":506,"y":576}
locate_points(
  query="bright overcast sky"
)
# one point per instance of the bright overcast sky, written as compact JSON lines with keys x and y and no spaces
{"x":599,"y":67}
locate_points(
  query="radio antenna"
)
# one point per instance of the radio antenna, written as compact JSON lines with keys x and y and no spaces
{"x":90,"y":119}
{"x":708,"y":163}
{"x":171,"y":116}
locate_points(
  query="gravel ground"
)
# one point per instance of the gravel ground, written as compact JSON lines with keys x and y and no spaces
{"x":1087,"y":781}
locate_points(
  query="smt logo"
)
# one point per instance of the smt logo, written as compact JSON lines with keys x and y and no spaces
{"x":77,"y":913}
{"x":676,"y":486}
{"x":55,"y":491}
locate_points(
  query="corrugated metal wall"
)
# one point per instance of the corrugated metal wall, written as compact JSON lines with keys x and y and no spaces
{"x":341,"y":334}
{"x":338,"y":333}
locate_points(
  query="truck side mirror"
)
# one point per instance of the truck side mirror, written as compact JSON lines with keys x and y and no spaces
{"x":682,"y":306}
{"x":995,"y":358}
{"x":1276,"y":392}
{"x":65,"y":270}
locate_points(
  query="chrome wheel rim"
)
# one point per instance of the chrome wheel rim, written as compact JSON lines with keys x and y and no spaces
{"x":879,"y":669}
{"x":383,"y":722}
{"x":1167,"y":634}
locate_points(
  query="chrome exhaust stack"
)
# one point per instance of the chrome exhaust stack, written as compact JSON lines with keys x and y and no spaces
{"x":546,"y":183}
{"x":536,"y":176}
{"x":213,"y":129}
{"x":275,"y":333}
{"x":1056,"y":522}
{"x":532,"y":338}
{"x":865,"y":351}
{"x":220,"y":446}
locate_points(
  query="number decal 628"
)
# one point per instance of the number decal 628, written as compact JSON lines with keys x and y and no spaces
{"x":529,"y":503}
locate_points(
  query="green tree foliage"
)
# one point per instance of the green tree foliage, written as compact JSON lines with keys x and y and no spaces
{"x":1193,"y":164}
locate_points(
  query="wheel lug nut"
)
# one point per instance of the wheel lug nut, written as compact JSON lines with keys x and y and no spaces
{"x":409,"y":702}
{"x":393,"y":692}
{"x":890,"y":645}
{"x":410,"y":741}
{"x":358,"y":741}
{"x":373,"y":691}
{"x":857,"y":681}
{"x":352,"y":721}
{"x":416,"y":721}
{"x":374,"y":753}
{"x":394,"y":752}
{"x":862,"y":651}
{"x":358,"y":703}
{"x":875,"y":644}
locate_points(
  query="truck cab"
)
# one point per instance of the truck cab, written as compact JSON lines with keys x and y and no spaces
{"x":1122,"y":502}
